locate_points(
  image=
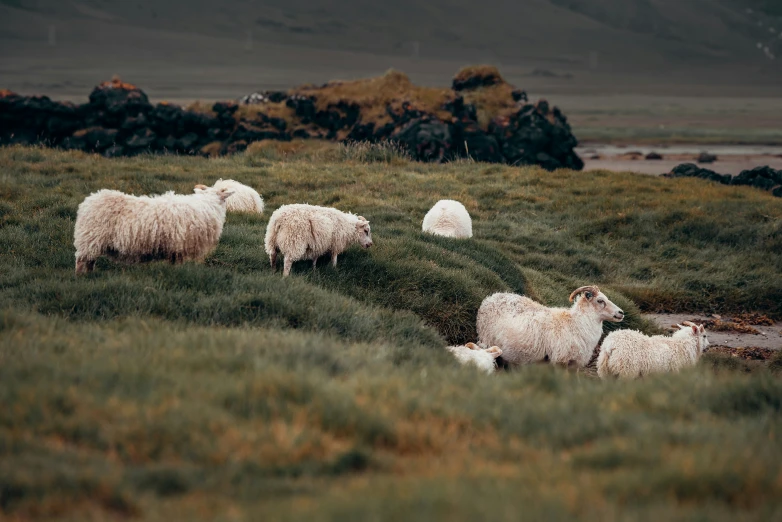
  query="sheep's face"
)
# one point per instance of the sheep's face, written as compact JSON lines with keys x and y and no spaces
{"x":363,"y":232}
{"x":222,"y":193}
{"x":608,"y":310}
{"x":591,"y":296}
{"x":698,"y":331}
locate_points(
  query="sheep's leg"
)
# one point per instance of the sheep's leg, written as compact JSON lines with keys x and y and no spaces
{"x":84,"y":265}
{"x":334,"y":260}
{"x":273,"y":260}
{"x":176,"y":258}
{"x":288,"y":263}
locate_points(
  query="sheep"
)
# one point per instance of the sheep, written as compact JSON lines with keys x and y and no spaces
{"x":528,"y":332}
{"x":136,"y":229}
{"x":630,"y":354}
{"x":244,"y":199}
{"x":448,"y":218}
{"x":483,"y":359}
{"x":301,"y":231}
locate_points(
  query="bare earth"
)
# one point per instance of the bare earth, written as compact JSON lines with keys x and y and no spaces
{"x":731,"y":159}
{"x":770,"y":336}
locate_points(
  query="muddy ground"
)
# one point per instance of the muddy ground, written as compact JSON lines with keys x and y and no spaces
{"x":768,"y":336}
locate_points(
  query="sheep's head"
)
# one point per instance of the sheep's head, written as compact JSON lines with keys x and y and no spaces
{"x":592,"y":297}
{"x":494,"y":351}
{"x":363,"y":232}
{"x":222,"y":193}
{"x":698,"y":331}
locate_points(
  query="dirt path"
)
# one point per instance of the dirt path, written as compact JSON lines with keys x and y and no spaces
{"x":770,"y":337}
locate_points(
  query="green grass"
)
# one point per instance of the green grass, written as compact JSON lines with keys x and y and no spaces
{"x":221,"y":391}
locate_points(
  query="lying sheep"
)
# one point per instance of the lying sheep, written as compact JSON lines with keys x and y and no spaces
{"x":244,"y":199}
{"x":308,"y":231}
{"x":448,"y":218}
{"x":529,"y":332}
{"x":483,"y":358}
{"x":631,"y":354}
{"x":470,"y":353}
{"x":144,"y":228}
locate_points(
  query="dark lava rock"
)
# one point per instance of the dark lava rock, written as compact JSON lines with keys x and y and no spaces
{"x":536,"y":134}
{"x":425,"y":139}
{"x":113,"y":102}
{"x":694,"y":171}
{"x":654,"y":156}
{"x":304,"y":106}
{"x":706,"y":157}
{"x":519,"y":95}
{"x":760,"y":177}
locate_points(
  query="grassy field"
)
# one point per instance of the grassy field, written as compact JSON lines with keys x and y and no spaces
{"x":221,"y":391}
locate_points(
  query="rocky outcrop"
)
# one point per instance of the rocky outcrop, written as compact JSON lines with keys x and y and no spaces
{"x":431,"y":124}
{"x":764,"y":178}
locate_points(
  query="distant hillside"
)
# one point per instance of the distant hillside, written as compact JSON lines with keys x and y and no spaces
{"x":630,"y":33}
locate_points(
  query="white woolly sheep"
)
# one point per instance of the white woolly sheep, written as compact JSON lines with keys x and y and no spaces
{"x":307,"y":232}
{"x":483,"y":359}
{"x":528,"y":332}
{"x":630,"y":354}
{"x":135,"y":229}
{"x":448,"y":218}
{"x":244,"y":199}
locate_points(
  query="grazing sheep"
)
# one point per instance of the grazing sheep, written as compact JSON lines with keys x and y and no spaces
{"x":470,"y":353}
{"x":529,"y":332}
{"x":244,"y":199}
{"x":631,"y":354}
{"x":307,"y":232}
{"x":448,"y":218}
{"x":144,"y":228}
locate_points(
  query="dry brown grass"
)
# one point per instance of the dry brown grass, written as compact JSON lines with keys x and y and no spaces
{"x":201,"y":107}
{"x":373,"y":95}
{"x":481,"y":71}
{"x":272,"y":110}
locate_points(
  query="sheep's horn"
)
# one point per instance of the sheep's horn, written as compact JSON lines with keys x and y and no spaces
{"x":201,"y":187}
{"x":689,"y":323}
{"x":472,"y":346}
{"x":595,"y":290}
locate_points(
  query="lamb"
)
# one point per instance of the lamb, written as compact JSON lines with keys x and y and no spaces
{"x":307,"y":232}
{"x":528,"y":332}
{"x":244,"y":199}
{"x":448,"y":218}
{"x":630,"y":354}
{"x":136,"y":229}
{"x":483,"y":359}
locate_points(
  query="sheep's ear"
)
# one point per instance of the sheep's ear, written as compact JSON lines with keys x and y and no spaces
{"x":702,"y":328}
{"x":224,"y":194}
{"x":472,"y":346}
{"x":694,"y":329}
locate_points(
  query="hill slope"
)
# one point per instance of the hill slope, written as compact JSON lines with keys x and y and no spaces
{"x":633,"y":34}
{"x":215,"y":390}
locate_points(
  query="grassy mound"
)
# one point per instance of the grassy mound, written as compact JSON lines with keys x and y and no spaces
{"x":189,"y":392}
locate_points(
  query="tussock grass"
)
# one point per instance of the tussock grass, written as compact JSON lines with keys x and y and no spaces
{"x":373,"y":95}
{"x":202,"y":391}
